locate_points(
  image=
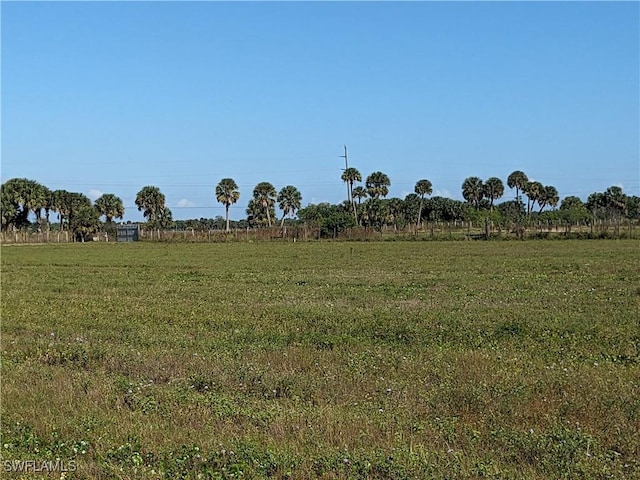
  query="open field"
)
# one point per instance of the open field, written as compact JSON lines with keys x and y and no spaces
{"x":323,"y":360}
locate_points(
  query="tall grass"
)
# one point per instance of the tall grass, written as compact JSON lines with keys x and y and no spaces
{"x":334,"y":360}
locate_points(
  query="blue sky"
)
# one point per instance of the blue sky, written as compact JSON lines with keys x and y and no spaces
{"x":112,"y":96}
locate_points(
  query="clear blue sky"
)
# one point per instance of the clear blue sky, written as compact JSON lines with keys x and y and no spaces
{"x":110,"y":97}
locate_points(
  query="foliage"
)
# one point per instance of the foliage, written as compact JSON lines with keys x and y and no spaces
{"x":573,"y":210}
{"x":442,"y":209}
{"x":359,"y":193}
{"x":512,"y":211}
{"x":376,"y":213}
{"x":350,"y":176}
{"x":26,"y":205}
{"x":261,"y":208}
{"x":330,"y":219}
{"x":517,"y":180}
{"x":84,"y":220}
{"x":423,"y":187}
{"x":493,"y":189}
{"x":535,"y":193}
{"x":289,"y":200}
{"x":611,"y":203}
{"x":110,"y":206}
{"x":227,"y":193}
{"x":413,"y":207}
{"x":151,"y":201}
{"x":20,"y":197}
{"x":473,"y":191}
{"x":377,"y":185}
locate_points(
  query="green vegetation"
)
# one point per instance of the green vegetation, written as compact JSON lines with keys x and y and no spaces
{"x":326,"y":359}
{"x":607,"y":211}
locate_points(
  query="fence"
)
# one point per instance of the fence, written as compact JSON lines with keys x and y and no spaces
{"x":21,"y":237}
{"x":459,"y":230}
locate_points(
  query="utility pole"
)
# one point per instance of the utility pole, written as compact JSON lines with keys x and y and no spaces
{"x":349,"y":184}
{"x":346,"y":167}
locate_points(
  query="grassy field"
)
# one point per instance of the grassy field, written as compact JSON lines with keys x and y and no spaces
{"x":323,"y":360}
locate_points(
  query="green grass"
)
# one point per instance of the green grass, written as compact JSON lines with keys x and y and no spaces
{"x":333,"y":360}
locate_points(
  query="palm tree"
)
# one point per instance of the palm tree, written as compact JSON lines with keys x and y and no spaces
{"x":473,"y":191}
{"x":517,"y":180}
{"x":350,"y":176}
{"x":359,"y":193}
{"x":48,"y":205}
{"x":227,"y":193}
{"x":30,"y":195}
{"x":165,"y":217}
{"x":84,"y":219}
{"x":493,"y":189}
{"x":289,"y":200}
{"x":534,"y":192}
{"x":8,"y":211}
{"x":395,"y":210}
{"x":110,"y":206}
{"x":615,"y":201}
{"x":596,"y":204}
{"x":423,"y":187}
{"x":80,"y":212}
{"x":548,"y":196}
{"x":60,"y":204}
{"x":264,"y":195}
{"x":151,"y":201}
{"x":9,"y":208}
{"x":378,"y":184}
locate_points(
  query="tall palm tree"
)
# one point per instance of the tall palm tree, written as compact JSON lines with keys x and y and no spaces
{"x":517,"y":180}
{"x":290,"y":200}
{"x":30,"y":195}
{"x":79,"y":210}
{"x":48,"y":205}
{"x":151,"y":201}
{"x":534,"y":192}
{"x":38,"y":200}
{"x":548,"y":196}
{"x":60,"y":204}
{"x":110,"y":206}
{"x":9,"y":208}
{"x":227,"y":193}
{"x":423,"y":187}
{"x":493,"y":189}
{"x":378,"y":184}
{"x":264,"y":195}
{"x":350,"y":176}
{"x":84,"y":219}
{"x":473,"y":191}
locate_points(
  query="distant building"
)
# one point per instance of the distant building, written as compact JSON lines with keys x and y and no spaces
{"x":128,"y":232}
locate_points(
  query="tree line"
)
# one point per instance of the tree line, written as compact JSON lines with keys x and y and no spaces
{"x":366,"y":206}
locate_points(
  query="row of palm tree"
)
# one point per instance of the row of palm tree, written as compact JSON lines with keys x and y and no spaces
{"x":474,"y":190}
{"x":21,"y":197}
{"x":261,"y":207}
